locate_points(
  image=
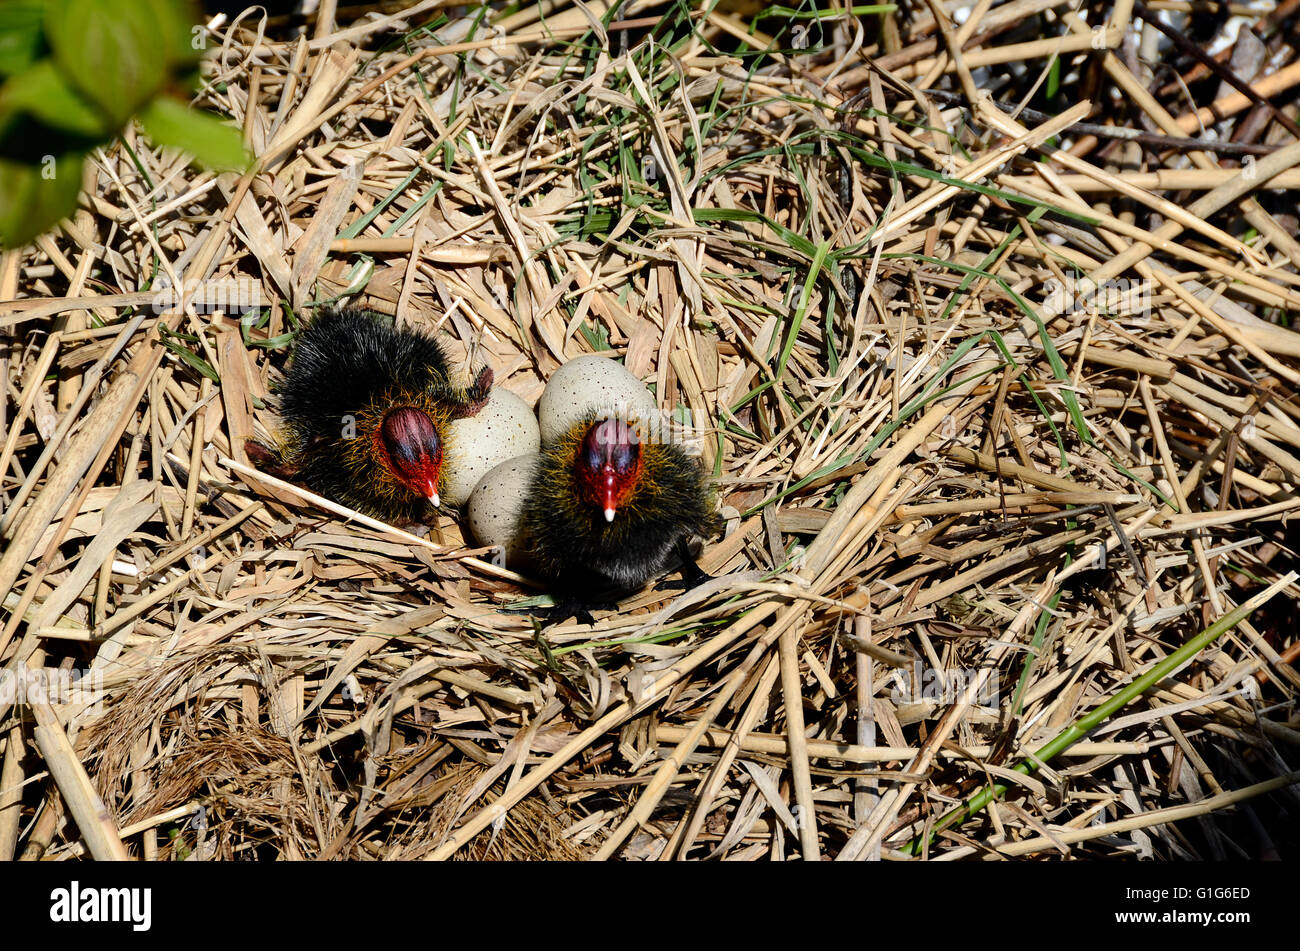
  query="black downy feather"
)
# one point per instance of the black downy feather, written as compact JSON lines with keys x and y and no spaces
{"x":346,"y":358}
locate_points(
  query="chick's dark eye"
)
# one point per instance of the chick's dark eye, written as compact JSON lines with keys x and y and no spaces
{"x":402,"y":454}
{"x":623,"y":458}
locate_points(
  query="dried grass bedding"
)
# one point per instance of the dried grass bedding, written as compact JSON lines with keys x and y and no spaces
{"x":981,"y":529}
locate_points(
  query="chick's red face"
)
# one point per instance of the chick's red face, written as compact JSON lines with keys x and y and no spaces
{"x":608,"y":465}
{"x":410,"y":447}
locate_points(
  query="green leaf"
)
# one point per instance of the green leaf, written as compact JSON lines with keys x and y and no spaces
{"x":172,"y":341}
{"x":207,"y":138}
{"x":109,"y":49}
{"x":21,"y":36}
{"x":805,"y":298}
{"x":33,"y":198}
{"x":175,"y":20}
{"x":41,"y":91}
{"x":597,"y":335}
{"x":796,"y":241}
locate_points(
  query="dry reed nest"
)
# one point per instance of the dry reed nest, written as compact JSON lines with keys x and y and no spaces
{"x":984,"y":529}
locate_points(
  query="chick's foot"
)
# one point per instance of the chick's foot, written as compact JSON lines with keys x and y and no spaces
{"x":692,"y":574}
{"x":577,"y":608}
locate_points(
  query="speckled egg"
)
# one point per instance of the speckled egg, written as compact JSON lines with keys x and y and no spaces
{"x":496,"y":502}
{"x":504,"y":428}
{"x":589,"y":384}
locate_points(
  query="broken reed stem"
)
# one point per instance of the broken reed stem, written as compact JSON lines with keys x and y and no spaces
{"x":78,"y":792}
{"x":792,"y":691}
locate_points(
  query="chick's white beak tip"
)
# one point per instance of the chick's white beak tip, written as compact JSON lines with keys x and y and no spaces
{"x":609,"y":515}
{"x":435,"y":500}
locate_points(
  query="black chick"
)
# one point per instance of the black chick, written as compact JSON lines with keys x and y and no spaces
{"x":365,"y":407}
{"x":607,"y":510}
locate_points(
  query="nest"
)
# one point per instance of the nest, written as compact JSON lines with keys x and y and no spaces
{"x":1008,"y":568}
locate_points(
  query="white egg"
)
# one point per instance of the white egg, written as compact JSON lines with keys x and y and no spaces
{"x":495,"y":504}
{"x":504,"y":428}
{"x":593,"y":384}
